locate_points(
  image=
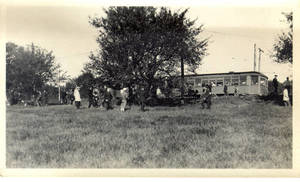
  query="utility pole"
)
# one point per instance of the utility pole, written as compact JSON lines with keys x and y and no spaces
{"x":259,"y":57}
{"x":254,"y":66}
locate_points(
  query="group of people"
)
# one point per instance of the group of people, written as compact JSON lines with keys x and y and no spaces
{"x":207,"y":94}
{"x":99,"y":97}
{"x":41,"y":98}
{"x":13,"y":97}
{"x":37,"y":98}
{"x":236,"y":90}
{"x":105,"y":97}
{"x":287,"y":90}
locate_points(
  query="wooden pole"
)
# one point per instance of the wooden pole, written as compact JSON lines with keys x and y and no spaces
{"x":259,"y":58}
{"x":254,"y":65}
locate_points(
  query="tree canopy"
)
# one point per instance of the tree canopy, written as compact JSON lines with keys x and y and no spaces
{"x":145,"y":44}
{"x":283,"y":48}
{"x":28,"y":69}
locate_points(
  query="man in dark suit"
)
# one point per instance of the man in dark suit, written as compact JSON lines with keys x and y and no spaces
{"x":206,"y":97}
{"x":275,"y":85}
{"x":90,"y":95}
{"x":142,"y":97}
{"x":107,"y":98}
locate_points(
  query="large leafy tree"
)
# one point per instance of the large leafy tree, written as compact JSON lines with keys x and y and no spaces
{"x":145,"y":44}
{"x":28,"y":69}
{"x":283,"y":48}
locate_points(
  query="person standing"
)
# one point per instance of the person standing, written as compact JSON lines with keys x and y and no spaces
{"x":96,"y":96}
{"x":142,"y":97}
{"x":101,"y":96}
{"x":288,"y":85}
{"x":209,"y":87}
{"x":63,"y":97}
{"x":206,"y":98}
{"x":72,"y":97}
{"x":275,"y":85}
{"x":107,"y":98}
{"x":212,"y":88}
{"x":124,"y":93}
{"x":90,"y":95}
{"x":132,"y":98}
{"x":286,"y":99}
{"x":236,"y":91}
{"x":225,"y":90}
{"x":45,"y":98}
{"x":38,"y":98}
{"x":77,"y":97}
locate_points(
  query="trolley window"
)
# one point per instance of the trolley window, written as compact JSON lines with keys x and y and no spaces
{"x":235,"y":80}
{"x":254,"y":79}
{"x":189,"y":79}
{"x":227,"y":80}
{"x":190,"y":82}
{"x":213,"y":82}
{"x":219,"y":82}
{"x":243,"y":80}
{"x":263,"y":81}
{"x":204,"y":82}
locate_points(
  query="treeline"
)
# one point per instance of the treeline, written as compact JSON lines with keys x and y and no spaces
{"x":29,"y":70}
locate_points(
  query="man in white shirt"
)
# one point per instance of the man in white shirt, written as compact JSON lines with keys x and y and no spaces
{"x":124,"y":93}
{"x":77,"y":97}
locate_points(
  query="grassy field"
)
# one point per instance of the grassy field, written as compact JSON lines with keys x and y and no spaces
{"x":233,"y":134}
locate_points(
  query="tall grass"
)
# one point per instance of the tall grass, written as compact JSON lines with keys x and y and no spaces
{"x":233,"y":134}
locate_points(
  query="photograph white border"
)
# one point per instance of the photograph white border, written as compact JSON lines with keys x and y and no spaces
{"x":130,"y":172}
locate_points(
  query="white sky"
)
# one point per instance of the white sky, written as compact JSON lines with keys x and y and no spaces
{"x":234,"y":30}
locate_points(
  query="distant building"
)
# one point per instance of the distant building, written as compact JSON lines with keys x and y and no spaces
{"x":251,"y":82}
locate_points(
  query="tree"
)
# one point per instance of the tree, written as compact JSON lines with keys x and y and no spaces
{"x":283,"y":48}
{"x":59,"y":79}
{"x":71,"y":84}
{"x":145,"y":44}
{"x":28,"y":70}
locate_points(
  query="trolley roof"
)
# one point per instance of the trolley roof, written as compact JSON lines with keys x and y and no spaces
{"x":228,"y":73}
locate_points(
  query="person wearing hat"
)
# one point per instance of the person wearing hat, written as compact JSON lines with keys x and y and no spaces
{"x":107,"y":98}
{"x":77,"y":97}
{"x":141,"y":92}
{"x":275,"y":85}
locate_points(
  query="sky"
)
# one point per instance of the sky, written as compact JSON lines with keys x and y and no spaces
{"x":233,"y":31}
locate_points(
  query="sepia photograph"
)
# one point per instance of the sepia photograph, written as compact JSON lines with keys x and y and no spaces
{"x":148,"y":87}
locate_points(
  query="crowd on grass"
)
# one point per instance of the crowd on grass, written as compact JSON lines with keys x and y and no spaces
{"x":104,"y":97}
{"x":286,"y":91}
{"x":101,"y":96}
